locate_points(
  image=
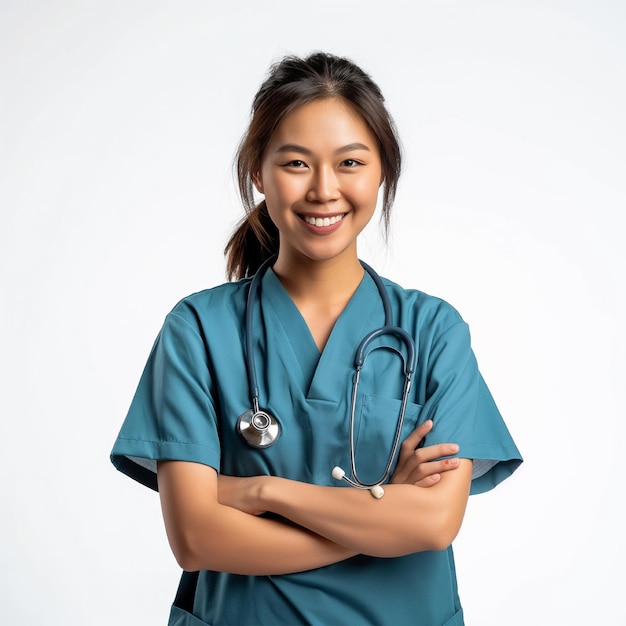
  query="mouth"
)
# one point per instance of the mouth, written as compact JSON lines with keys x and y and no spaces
{"x":321,"y":222}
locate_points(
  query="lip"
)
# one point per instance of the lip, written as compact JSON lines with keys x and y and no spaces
{"x":321,"y":230}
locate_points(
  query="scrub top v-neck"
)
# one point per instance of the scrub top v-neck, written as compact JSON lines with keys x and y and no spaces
{"x":319,"y":369}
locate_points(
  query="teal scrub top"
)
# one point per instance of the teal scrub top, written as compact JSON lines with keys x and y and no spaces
{"x":195,"y":386}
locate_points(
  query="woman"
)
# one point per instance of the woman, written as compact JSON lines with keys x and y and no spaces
{"x":253,"y":503}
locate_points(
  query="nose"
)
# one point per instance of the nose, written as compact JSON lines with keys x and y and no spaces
{"x":324,"y":186}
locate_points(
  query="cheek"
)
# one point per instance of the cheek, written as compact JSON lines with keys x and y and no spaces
{"x":284,"y":189}
{"x":366,"y":192}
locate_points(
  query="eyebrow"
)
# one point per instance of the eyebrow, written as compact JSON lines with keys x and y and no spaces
{"x":294,"y":147}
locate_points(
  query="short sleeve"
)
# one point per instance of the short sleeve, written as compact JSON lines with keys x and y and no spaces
{"x":463,"y":410}
{"x":172,"y":415}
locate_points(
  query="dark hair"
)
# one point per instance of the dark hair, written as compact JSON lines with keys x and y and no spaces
{"x":291,"y":83}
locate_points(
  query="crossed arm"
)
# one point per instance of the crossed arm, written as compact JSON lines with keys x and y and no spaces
{"x":213,"y":522}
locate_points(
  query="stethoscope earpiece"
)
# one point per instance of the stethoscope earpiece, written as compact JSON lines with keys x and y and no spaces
{"x":338,"y":473}
{"x":376,"y":490}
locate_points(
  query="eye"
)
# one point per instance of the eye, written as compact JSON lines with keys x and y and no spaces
{"x":350,"y":163}
{"x":296,"y":163}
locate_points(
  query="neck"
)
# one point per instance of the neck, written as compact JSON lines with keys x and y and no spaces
{"x":320,"y":289}
{"x":323,"y":282}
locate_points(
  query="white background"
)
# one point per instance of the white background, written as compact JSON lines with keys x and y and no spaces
{"x":119,"y":121}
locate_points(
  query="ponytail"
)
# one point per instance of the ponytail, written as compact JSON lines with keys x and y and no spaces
{"x":254,"y":241}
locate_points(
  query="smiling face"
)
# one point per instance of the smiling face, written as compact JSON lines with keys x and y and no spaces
{"x":320,"y":176}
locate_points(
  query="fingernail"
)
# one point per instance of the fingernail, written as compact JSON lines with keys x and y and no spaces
{"x":454,"y":448}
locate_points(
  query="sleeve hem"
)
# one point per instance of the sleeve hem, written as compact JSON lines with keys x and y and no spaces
{"x":128,"y":456}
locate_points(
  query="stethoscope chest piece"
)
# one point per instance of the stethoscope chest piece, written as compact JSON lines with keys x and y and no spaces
{"x":258,"y":428}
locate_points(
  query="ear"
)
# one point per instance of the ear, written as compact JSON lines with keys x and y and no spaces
{"x":257,"y":182}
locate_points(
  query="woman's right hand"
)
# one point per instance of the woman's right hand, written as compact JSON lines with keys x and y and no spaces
{"x":417,"y":466}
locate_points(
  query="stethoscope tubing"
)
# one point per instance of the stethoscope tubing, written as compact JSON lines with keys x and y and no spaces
{"x":260,"y":429}
{"x":408,"y":368}
{"x":253,"y":386}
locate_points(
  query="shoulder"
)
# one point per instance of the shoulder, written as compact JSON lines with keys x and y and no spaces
{"x":211,"y":307}
{"x":415,"y":307}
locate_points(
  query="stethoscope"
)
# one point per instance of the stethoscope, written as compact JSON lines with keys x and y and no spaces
{"x":260,"y":429}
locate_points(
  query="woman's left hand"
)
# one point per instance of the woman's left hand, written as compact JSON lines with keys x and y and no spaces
{"x":418,"y":466}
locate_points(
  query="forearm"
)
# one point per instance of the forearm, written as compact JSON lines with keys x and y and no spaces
{"x":240,"y":543}
{"x":205,"y":534}
{"x":407,"y":519}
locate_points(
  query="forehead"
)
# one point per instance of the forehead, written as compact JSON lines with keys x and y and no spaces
{"x":325,"y":121}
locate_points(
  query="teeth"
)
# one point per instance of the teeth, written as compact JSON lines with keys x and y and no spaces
{"x":323,"y":221}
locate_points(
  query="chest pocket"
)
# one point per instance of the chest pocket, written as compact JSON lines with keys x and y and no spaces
{"x":376,"y":421}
